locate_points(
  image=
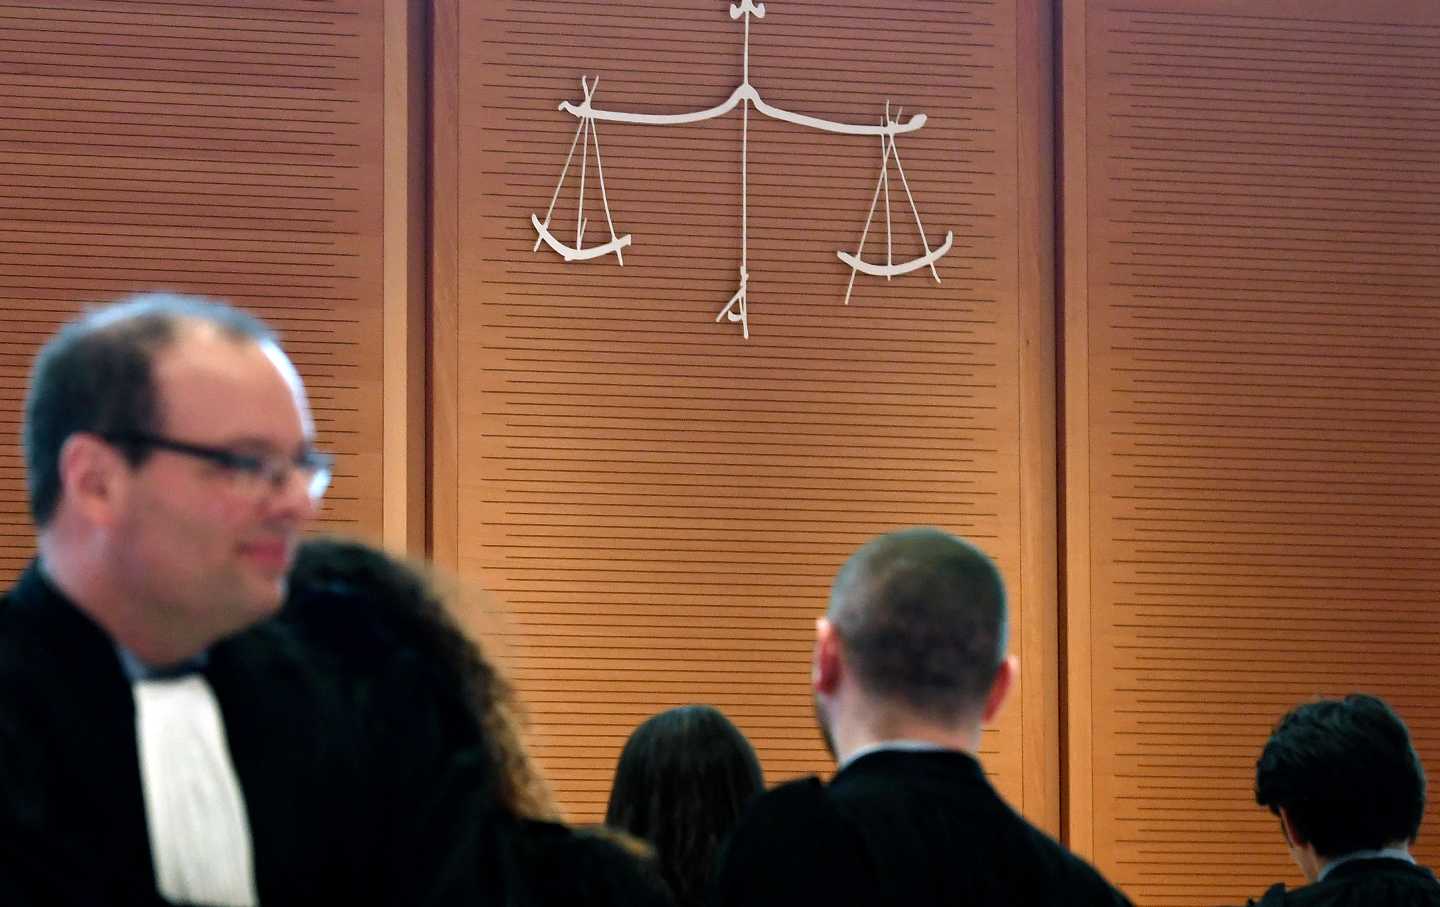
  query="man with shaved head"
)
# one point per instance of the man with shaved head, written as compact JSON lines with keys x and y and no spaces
{"x":909,"y":665}
{"x":163,"y":740}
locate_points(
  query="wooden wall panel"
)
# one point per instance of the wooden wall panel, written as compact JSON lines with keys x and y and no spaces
{"x":230,"y":148}
{"x":659,"y":503}
{"x":1252,"y":214}
{"x":405,"y":447}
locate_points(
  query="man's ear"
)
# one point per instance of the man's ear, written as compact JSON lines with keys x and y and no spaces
{"x":92,"y":477}
{"x":826,"y":664}
{"x":1000,"y":687}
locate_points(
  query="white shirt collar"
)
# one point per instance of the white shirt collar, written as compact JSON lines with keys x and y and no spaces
{"x":904,"y":746}
{"x":1385,"y":853}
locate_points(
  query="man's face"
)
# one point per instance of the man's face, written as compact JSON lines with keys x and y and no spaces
{"x":191,"y":542}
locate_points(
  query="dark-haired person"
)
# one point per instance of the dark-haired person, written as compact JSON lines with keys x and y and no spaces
{"x":909,"y":664}
{"x":1349,"y":790}
{"x":392,"y":643}
{"x":681,"y":783}
{"x":162,"y":739}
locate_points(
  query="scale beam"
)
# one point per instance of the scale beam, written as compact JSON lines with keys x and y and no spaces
{"x":744,"y":92}
{"x":890,"y":129}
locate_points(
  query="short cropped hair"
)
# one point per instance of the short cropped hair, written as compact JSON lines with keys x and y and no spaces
{"x":921,"y":617}
{"x":1345,"y":773}
{"x":95,"y":376}
{"x":682,"y":782}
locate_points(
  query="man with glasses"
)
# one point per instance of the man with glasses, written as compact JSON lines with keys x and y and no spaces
{"x":162,"y":740}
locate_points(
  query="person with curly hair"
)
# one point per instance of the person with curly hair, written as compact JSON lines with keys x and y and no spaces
{"x":396,"y":647}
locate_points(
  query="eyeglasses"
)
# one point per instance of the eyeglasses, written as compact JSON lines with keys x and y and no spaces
{"x":252,"y":474}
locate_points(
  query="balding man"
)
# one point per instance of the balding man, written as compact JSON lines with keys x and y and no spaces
{"x":162,"y":739}
{"x":909,"y":665}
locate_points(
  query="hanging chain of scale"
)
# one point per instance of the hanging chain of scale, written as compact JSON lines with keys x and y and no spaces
{"x":746,"y":97}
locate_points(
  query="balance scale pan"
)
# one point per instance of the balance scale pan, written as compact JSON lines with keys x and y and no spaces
{"x":904,"y":267}
{"x":570,"y":253}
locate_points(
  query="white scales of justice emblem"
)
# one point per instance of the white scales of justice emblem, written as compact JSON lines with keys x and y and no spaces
{"x":745,"y":96}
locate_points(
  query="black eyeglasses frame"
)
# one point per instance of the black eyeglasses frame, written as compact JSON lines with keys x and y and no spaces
{"x":311,"y":463}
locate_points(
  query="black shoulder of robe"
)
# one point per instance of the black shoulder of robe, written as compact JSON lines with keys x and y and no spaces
{"x":547,"y":864}
{"x":899,"y":827}
{"x":1379,"y":882}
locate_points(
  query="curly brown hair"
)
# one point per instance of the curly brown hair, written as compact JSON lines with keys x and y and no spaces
{"x":369,"y":607}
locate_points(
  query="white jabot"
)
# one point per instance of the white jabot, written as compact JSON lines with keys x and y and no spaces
{"x":194,"y":808}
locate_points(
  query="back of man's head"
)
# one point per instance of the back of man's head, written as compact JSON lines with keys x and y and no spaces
{"x":96,"y":376}
{"x":1346,"y":775}
{"x":921,"y":616}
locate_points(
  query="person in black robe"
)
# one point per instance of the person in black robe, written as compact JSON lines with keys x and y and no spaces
{"x":546,"y":863}
{"x":1349,"y":790}
{"x":909,"y":664}
{"x":390,"y":640}
{"x":163,"y":739}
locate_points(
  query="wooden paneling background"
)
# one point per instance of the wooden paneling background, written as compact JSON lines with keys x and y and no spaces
{"x":1250,"y":211}
{"x":231,"y":148}
{"x":1253,"y":212}
{"x":659,"y":503}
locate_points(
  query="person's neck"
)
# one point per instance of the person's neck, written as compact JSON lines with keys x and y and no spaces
{"x":83,"y":577}
{"x":862,"y":726}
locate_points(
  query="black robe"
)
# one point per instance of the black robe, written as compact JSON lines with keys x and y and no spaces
{"x":547,"y":864}
{"x":1379,"y":882}
{"x":899,"y":827}
{"x":345,"y":805}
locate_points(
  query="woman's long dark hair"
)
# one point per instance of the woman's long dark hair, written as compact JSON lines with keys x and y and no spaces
{"x":681,"y":783}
